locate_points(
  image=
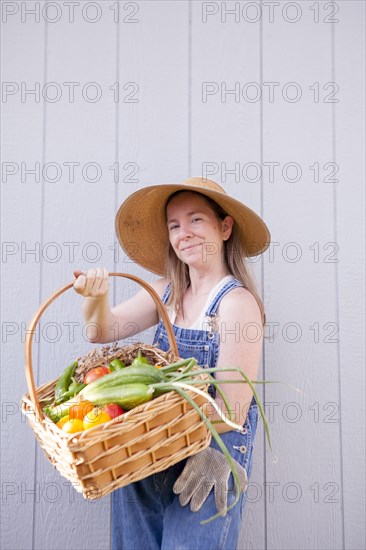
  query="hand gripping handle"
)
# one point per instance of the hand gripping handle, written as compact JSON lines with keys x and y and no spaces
{"x":33,"y":323}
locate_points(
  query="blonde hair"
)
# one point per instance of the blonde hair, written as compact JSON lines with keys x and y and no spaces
{"x":234,"y":256}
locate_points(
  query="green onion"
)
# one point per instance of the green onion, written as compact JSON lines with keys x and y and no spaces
{"x":216,"y":383}
{"x":175,"y":366}
{"x":181,"y":382}
{"x":220,"y":443}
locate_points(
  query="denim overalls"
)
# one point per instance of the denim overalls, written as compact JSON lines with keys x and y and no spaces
{"x":147,"y":515}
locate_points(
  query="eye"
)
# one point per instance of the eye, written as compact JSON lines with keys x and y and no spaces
{"x":173,"y":226}
{"x":195,"y":220}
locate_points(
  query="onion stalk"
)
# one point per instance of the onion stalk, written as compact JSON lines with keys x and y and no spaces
{"x":179,"y":389}
{"x":174,"y":377}
{"x":183,"y":381}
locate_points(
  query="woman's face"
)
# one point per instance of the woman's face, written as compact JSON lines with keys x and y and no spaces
{"x":195,"y":232}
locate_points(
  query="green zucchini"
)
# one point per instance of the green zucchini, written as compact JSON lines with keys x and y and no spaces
{"x":146,"y":374}
{"x":126,"y":396}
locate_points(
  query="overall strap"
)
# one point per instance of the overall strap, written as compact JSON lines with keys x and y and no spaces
{"x":166,"y":294}
{"x":213,"y":307}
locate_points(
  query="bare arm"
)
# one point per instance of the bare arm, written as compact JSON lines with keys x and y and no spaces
{"x":241,"y":339}
{"x":122,"y":321}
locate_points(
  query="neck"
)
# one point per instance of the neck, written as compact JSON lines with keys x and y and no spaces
{"x":203,"y":282}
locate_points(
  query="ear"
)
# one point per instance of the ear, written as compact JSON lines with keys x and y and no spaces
{"x":227,"y":226}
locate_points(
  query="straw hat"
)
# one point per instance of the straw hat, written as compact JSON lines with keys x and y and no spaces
{"x":141,"y":222}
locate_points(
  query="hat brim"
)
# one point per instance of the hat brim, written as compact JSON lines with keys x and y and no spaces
{"x":142,"y":232}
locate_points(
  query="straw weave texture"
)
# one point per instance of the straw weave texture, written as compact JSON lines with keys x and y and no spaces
{"x":143,"y":441}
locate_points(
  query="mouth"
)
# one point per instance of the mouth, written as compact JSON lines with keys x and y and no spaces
{"x":190,"y":247}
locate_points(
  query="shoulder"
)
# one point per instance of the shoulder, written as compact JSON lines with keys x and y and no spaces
{"x":160,"y":285}
{"x":240,"y":304}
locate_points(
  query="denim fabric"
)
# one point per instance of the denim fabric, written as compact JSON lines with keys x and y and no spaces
{"x":147,"y":514}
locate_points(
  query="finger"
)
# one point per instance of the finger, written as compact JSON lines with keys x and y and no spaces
{"x":200,"y":495}
{"x":104,"y":287}
{"x":221,"y":491}
{"x":187,"y":490}
{"x":99,"y":276}
{"x":180,"y":483}
{"x":79,"y":284}
{"x":184,"y":497}
{"x":90,"y":281}
{"x":182,"y":480}
{"x":192,"y":486}
{"x":243,"y":478}
{"x":78,"y":272}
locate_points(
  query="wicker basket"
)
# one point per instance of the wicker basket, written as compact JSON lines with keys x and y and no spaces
{"x":145,"y":440}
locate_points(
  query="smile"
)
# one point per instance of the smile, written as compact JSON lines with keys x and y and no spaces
{"x":190,"y":247}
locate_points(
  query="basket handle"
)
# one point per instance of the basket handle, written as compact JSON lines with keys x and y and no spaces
{"x":31,"y":328}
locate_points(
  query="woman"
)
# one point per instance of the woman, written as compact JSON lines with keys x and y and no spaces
{"x":196,"y":237}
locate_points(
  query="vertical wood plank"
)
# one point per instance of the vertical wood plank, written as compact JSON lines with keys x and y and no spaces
{"x":78,"y":233}
{"x":225,"y":147}
{"x":304,"y":472}
{"x":349,"y":46}
{"x":153,"y":132}
{"x":21,"y":215}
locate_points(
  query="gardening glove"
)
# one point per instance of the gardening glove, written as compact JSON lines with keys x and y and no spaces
{"x":204,"y":471}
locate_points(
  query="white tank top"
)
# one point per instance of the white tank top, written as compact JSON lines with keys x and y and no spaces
{"x":201,"y":322}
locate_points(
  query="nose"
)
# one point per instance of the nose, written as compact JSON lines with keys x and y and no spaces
{"x":184,"y":231}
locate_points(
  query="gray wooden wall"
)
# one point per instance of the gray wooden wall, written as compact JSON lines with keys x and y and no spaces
{"x":269,"y":101}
